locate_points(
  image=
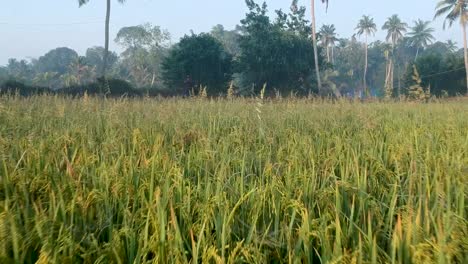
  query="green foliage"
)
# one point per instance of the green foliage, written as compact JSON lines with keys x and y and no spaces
{"x":366,"y":26}
{"x":3,"y":74}
{"x":294,"y":21}
{"x":229,"y":39}
{"x":416,"y":91}
{"x":277,"y":54}
{"x":395,"y":29}
{"x":196,"y":181}
{"x":439,"y":49}
{"x":453,"y":10}
{"x":421,"y":34}
{"x":376,"y":69}
{"x":276,"y":51}
{"x":441,"y":73}
{"x":349,"y":62}
{"x":108,"y":87}
{"x":142,"y":36}
{"x":56,"y":60}
{"x":94,"y":58}
{"x":81,"y":71}
{"x":20,"y":70}
{"x":145,"y":48}
{"x":328,"y":37}
{"x":201,"y":57}
{"x":46,"y":79}
{"x":18,"y":88}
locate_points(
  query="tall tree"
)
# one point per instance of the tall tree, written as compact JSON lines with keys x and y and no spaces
{"x":80,"y":71}
{"x":203,"y":59}
{"x":328,"y":37}
{"x":229,"y":38}
{"x":95,"y":58}
{"x":421,"y":35}
{"x":366,"y":27}
{"x":106,"y":45}
{"x":456,"y":10}
{"x":20,"y":70}
{"x":395,"y":31}
{"x":296,"y":20}
{"x":314,"y":41}
{"x":56,"y":60}
{"x":145,"y":46}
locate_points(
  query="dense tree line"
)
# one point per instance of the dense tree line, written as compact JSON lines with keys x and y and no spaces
{"x":263,"y":51}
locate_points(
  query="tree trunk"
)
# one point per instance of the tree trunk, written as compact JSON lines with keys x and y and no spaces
{"x":392,"y":76}
{"x":399,"y":81}
{"x":153,"y":79}
{"x":392,"y":66}
{"x":417,"y":54}
{"x":465,"y":49}
{"x":314,"y":42}
{"x":365,"y":71}
{"x":333,"y":54}
{"x":106,"y":45}
{"x":388,"y":78}
{"x":328,"y":54}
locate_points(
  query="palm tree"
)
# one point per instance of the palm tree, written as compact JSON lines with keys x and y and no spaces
{"x":388,"y":53}
{"x":314,"y":41}
{"x":395,"y":31}
{"x":367,"y":27}
{"x":77,"y":68}
{"x":328,"y":37}
{"x":106,"y":46}
{"x":68,"y":80}
{"x":421,"y":35}
{"x":45,"y":78}
{"x":451,"y":45}
{"x":456,"y":10}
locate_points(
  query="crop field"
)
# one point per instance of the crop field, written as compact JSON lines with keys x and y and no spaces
{"x":232,"y":181}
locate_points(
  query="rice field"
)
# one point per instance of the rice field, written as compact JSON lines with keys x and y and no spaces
{"x":232,"y":181}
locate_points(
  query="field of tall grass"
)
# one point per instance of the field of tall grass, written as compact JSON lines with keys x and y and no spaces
{"x":232,"y":181}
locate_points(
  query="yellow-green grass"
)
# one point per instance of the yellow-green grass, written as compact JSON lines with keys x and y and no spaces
{"x":232,"y":181}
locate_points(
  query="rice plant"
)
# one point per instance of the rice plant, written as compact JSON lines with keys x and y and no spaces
{"x":193,"y":181}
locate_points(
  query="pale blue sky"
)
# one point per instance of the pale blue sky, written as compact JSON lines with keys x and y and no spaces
{"x":29,"y":28}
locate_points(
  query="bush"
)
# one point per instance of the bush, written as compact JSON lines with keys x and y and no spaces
{"x":110,"y":87}
{"x":202,"y":58}
{"x":15,"y":87}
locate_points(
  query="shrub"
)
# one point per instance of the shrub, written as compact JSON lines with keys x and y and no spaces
{"x":110,"y":87}
{"x":15,"y":87}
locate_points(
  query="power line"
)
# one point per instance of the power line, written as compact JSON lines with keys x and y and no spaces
{"x":407,"y":82}
{"x":52,"y":24}
{"x":440,"y":73}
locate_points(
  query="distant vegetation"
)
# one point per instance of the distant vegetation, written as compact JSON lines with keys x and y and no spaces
{"x":277,"y":52}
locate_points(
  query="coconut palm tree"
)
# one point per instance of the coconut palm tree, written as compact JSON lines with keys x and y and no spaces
{"x":395,"y":30}
{"x":45,"y":79}
{"x":451,"y":45}
{"x":314,"y":41}
{"x":106,"y":46}
{"x":456,"y":10}
{"x":367,"y":27}
{"x":421,"y":35}
{"x":388,"y":53}
{"x":328,"y":37}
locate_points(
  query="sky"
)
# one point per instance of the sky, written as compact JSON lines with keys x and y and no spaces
{"x":30,"y":28}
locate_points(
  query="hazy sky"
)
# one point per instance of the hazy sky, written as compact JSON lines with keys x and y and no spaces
{"x":29,"y":28}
